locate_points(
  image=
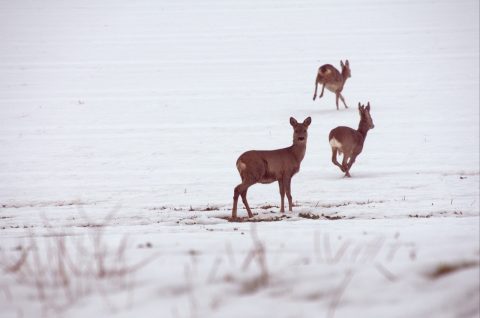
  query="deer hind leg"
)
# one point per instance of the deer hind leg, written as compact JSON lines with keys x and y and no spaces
{"x":245,"y":202}
{"x":241,"y":189}
{"x":288,"y":182}
{"x":236,"y":193}
{"x":281,"y":187}
{"x":343,"y":100}
{"x":334,"y":159}
{"x":321,"y":94}
{"x":345,"y":165}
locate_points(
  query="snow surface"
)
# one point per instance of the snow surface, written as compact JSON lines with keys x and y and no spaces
{"x":135,"y":112}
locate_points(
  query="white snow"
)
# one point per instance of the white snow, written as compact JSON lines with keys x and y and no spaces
{"x":133,"y":113}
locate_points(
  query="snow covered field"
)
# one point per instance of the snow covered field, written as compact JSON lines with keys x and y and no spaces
{"x":120,"y":125}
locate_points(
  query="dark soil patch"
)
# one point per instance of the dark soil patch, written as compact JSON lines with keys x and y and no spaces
{"x":311,"y":216}
{"x":255,"y":220}
{"x":337,"y":205}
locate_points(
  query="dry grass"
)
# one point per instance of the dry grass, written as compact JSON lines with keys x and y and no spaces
{"x":256,"y":254}
{"x":446,"y":269}
{"x":62,"y":267}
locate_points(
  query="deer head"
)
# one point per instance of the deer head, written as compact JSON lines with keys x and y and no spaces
{"x":365,"y":115}
{"x":346,"y":73}
{"x":300,"y":133}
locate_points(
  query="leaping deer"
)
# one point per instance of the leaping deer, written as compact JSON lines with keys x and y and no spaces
{"x":331,"y":78}
{"x":267,"y":166}
{"x":350,"y":141}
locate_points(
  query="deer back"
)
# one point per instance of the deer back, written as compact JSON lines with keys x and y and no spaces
{"x":267,"y":166}
{"x":328,"y":74}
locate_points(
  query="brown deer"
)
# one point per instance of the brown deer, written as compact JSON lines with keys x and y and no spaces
{"x":331,"y":78}
{"x":267,"y":166}
{"x":350,"y":141}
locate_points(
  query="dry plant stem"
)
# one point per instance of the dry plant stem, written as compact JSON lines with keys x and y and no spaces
{"x":230,"y":254}
{"x":327,"y":247}
{"x":214,"y":270}
{"x":317,"y":247}
{"x":329,"y":257}
{"x":338,"y":294}
{"x":372,"y":249}
{"x":15,"y":267}
{"x":385,"y":272}
{"x":257,"y":253}
{"x":39,"y":270}
{"x":191,"y":289}
{"x":341,"y":252}
{"x":7,"y":293}
{"x":130,"y":290}
{"x":356,"y":252}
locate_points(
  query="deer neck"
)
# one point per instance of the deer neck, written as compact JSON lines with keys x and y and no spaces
{"x":298,"y":151}
{"x":344,"y":77}
{"x":363,"y":128}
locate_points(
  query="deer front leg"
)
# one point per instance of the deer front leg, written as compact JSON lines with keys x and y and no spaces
{"x":343,"y":100}
{"x":323,"y":88}
{"x":334,"y":159}
{"x":316,"y":86}
{"x":350,"y":163}
{"x":337,"y":95}
{"x":288,"y":182}
{"x":281,"y":187}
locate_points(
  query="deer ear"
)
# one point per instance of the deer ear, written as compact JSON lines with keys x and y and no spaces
{"x":307,"y":121}
{"x":341,"y":63}
{"x":359,"y":106}
{"x":293,"y":122}
{"x":368,"y":106}
{"x":346,"y":63}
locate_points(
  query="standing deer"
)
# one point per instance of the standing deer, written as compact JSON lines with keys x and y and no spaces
{"x":330,"y":77}
{"x":350,"y":141}
{"x":267,"y":166}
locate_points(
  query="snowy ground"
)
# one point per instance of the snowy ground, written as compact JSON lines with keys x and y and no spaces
{"x":132,"y":115}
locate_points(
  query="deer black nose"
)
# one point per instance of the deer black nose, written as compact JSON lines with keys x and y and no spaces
{"x":301,"y":138}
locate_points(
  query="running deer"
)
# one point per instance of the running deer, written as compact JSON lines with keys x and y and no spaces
{"x":267,"y":166}
{"x":350,"y":141}
{"x":331,"y":78}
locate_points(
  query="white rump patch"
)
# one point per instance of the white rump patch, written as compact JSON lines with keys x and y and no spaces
{"x":241,"y":166}
{"x":335,"y":143}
